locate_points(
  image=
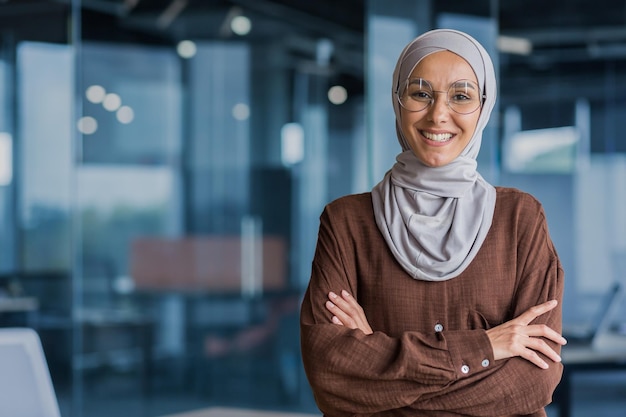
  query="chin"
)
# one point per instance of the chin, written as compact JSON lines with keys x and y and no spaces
{"x":434,"y":163}
{"x":433,"y":159}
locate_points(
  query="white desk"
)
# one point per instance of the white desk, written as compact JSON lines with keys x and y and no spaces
{"x":237,"y":412}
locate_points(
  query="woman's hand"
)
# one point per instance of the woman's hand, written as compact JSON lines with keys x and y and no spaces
{"x":347,"y":312}
{"x":514,"y":338}
{"x":520,"y":338}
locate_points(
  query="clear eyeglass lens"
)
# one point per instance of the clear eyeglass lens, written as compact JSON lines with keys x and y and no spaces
{"x":463,"y":96}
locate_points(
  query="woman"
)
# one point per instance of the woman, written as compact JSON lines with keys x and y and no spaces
{"x":436,"y":294}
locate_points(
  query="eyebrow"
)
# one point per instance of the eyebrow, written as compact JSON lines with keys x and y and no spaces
{"x":460,"y":82}
{"x":463,"y":83}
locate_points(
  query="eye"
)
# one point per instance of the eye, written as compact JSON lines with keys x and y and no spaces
{"x":418,"y":89}
{"x":463,"y":92}
{"x":458,"y":97}
{"x":419,"y":94}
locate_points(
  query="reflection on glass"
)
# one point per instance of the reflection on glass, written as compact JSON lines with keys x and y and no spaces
{"x":551,"y":150}
{"x":47,"y":125}
{"x":292,"y":143}
{"x":6,"y":159}
{"x":119,"y":203}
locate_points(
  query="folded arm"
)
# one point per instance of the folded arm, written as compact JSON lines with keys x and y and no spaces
{"x":528,"y":339}
{"x":354,"y":373}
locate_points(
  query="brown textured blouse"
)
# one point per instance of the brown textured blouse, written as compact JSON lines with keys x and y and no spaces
{"x":429,"y":354}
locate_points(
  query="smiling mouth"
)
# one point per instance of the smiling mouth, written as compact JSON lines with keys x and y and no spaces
{"x":437,"y":137}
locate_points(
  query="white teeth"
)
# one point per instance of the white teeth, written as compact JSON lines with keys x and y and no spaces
{"x":440,"y":137}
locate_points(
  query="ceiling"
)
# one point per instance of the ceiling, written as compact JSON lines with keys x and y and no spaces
{"x":582,"y":32}
{"x":560,"y":31}
{"x":569,"y":33}
{"x":574,"y":38}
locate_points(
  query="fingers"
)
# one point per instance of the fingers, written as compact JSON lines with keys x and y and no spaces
{"x":529,"y":341}
{"x":345,"y":302}
{"x":541,"y":330}
{"x":339,"y":315}
{"x":347,"y":312}
{"x":536,"y":342}
{"x":532,"y":356}
{"x":345,"y":309}
{"x":534,"y":346}
{"x":532,"y":313}
{"x":336,"y":319}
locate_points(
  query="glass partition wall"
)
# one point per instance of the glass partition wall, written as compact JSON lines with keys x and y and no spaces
{"x":208,"y":148}
{"x":163,"y":165}
{"x":163,"y":168}
{"x":209,"y":145}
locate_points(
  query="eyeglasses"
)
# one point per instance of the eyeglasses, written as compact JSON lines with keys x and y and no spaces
{"x":463,"y":96}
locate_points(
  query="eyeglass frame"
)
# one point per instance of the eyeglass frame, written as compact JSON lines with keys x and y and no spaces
{"x":481,"y":100}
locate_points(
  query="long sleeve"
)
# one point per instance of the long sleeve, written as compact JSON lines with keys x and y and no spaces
{"x":435,"y":373}
{"x":355,"y":373}
{"x":517,"y":386}
{"x":352,"y":373}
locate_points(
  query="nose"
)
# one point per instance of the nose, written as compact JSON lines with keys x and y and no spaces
{"x":439,"y":110}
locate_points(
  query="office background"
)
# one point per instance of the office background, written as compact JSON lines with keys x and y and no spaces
{"x":163,"y":164}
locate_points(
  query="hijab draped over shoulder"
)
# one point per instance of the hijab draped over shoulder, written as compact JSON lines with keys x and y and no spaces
{"x":435,"y":219}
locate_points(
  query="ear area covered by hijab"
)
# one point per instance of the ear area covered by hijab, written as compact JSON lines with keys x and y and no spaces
{"x":435,"y":219}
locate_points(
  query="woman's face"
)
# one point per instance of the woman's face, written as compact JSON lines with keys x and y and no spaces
{"x":437,"y":134}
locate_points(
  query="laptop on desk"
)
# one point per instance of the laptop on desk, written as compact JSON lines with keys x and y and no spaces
{"x":601,"y":322}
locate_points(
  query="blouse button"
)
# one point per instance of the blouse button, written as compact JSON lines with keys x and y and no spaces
{"x":465,"y":369}
{"x":485,"y":363}
{"x":438,"y":327}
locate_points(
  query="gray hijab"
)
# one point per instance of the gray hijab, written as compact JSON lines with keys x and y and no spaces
{"x":435,"y":220}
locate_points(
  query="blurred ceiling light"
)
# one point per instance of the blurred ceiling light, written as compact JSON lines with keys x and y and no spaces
{"x":170,"y":13}
{"x":240,"y":25}
{"x":125,"y":115}
{"x":241,"y":111}
{"x":337,"y":94}
{"x":87,"y":125}
{"x":186,"y":49}
{"x":514,"y":45}
{"x":95,"y":93}
{"x":111,"y":102}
